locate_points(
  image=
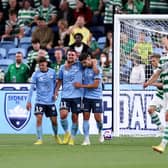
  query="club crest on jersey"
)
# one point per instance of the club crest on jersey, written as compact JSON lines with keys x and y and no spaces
{"x":15,"y":111}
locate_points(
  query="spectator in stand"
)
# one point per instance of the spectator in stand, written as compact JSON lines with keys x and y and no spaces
{"x":2,"y":75}
{"x":108,"y":45}
{"x":56,"y":3}
{"x":106,"y":66}
{"x":17,"y":72}
{"x":83,"y":10}
{"x":72,"y":3}
{"x":108,"y":17}
{"x":36,"y":3}
{"x":165,"y":44}
{"x":95,"y":50}
{"x":33,"y":53}
{"x":13,"y":27}
{"x":143,"y":48}
{"x":26,"y":16}
{"x":12,"y":5}
{"x":137,"y":75}
{"x":65,"y":12}
{"x":3,"y":4}
{"x":46,"y":11}
{"x":126,"y":44}
{"x":34,"y":65}
{"x":95,"y":6}
{"x":2,"y":23}
{"x":59,"y":59}
{"x":133,"y":7}
{"x":79,"y":27}
{"x":44,"y":34}
{"x":158,"y":6}
{"x":61,"y":37}
{"x":79,"y":46}
{"x":125,"y":69}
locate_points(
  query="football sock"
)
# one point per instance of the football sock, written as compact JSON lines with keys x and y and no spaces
{"x":165,"y":136}
{"x":86,"y":128}
{"x":55,"y":129}
{"x":74,"y":130}
{"x":39,"y":132}
{"x":64,"y":123}
{"x":99,"y":126}
{"x":155,"y":119}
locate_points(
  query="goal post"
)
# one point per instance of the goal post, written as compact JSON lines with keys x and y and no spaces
{"x":154,"y":27}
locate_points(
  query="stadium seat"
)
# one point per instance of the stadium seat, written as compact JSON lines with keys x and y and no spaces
{"x":12,"y":52}
{"x":3,"y":53}
{"x":4,"y":63}
{"x":9,"y":43}
{"x":101,"y":42}
{"x":25,"y":42}
{"x":25,"y":61}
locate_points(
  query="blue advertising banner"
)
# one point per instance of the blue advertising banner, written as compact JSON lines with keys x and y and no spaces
{"x":15,"y":119}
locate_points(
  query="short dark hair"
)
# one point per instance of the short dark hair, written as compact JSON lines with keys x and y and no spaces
{"x":155,"y":55}
{"x":84,"y":56}
{"x":41,"y":18}
{"x":42,"y":59}
{"x":12,"y":12}
{"x":19,"y":52}
{"x":70,"y":50}
{"x":34,"y":41}
{"x":78,"y":34}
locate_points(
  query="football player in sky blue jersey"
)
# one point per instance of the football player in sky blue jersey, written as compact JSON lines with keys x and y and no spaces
{"x":43,"y":80}
{"x":92,"y":98}
{"x":69,"y":73}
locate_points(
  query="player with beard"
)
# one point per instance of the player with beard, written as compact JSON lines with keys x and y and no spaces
{"x":69,"y":73}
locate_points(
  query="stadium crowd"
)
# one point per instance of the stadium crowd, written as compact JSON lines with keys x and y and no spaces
{"x":30,"y":29}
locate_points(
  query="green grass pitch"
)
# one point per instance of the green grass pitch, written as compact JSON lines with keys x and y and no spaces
{"x":18,"y":151}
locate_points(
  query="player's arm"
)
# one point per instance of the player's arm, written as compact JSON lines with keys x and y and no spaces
{"x":88,"y":86}
{"x":158,"y":84}
{"x":58,"y":85}
{"x":28,"y":105}
{"x":32,"y":87}
{"x":95,"y":67}
{"x":153,"y":78}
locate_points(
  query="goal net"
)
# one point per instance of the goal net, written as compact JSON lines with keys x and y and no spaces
{"x":136,"y":37}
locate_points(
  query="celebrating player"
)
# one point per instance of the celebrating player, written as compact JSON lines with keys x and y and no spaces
{"x":69,"y":73}
{"x":92,"y":96}
{"x":44,"y":82}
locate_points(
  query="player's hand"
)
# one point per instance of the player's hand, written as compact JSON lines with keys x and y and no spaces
{"x":94,"y":62}
{"x":28,"y":106}
{"x":55,"y":96}
{"x":145,"y":85}
{"x":77,"y":85}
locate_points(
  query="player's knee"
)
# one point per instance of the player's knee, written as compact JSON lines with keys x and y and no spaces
{"x":86,"y":116}
{"x":74,"y":118}
{"x":53,"y":121}
{"x":63,"y":114}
